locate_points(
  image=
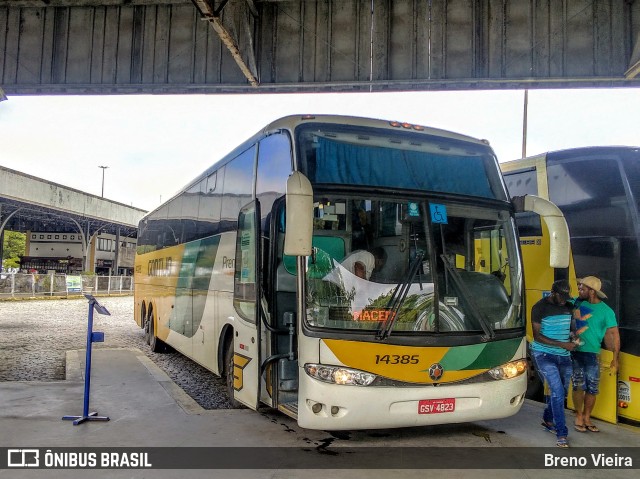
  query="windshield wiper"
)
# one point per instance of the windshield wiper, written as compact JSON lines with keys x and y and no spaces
{"x":474,"y":311}
{"x":398,"y":297}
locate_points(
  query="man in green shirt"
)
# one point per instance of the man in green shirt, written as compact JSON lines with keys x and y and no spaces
{"x":595,"y":322}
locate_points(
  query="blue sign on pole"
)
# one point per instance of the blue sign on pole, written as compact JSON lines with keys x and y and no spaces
{"x":438,"y":213}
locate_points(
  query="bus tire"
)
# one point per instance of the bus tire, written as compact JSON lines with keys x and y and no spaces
{"x":143,"y":316}
{"x":147,"y":335}
{"x":156,"y":345}
{"x":228,"y":374}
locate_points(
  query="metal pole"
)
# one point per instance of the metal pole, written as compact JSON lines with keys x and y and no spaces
{"x":1,"y":245}
{"x":524,"y":124}
{"x":91,"y":338}
{"x":103,"y":168}
{"x":87,"y":363}
{"x":116,"y":259}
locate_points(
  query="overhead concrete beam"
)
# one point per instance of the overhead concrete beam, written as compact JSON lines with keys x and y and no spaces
{"x":286,"y":46}
{"x":88,"y":3}
{"x":18,"y":186}
{"x":212,"y":15}
{"x":634,"y":63}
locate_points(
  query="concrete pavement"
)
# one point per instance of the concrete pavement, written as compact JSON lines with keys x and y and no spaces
{"x":147,"y":409}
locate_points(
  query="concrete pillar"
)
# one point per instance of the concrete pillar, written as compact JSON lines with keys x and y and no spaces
{"x":1,"y":238}
{"x":117,"y":252}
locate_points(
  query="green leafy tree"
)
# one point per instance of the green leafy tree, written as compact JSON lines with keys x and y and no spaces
{"x":14,"y":247}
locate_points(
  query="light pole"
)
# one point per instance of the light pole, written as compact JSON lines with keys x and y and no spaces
{"x":524,"y":124}
{"x":103,"y":168}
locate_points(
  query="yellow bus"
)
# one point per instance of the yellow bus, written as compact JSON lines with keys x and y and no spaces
{"x":353,"y":273}
{"x":598,"y":190}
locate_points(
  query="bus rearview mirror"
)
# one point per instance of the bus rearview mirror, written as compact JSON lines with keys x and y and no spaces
{"x":556,"y":223}
{"x":299,"y":216}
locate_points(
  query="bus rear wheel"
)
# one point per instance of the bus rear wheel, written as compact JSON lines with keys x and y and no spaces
{"x":156,"y":345}
{"x":145,"y":326}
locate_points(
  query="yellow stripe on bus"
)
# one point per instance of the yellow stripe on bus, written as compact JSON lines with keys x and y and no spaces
{"x":401,"y":363}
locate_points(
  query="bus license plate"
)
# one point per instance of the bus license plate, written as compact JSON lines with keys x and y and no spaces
{"x":435,"y":406}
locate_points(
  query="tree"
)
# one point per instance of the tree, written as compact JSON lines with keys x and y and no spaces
{"x":14,"y":247}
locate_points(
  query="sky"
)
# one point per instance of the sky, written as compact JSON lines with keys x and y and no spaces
{"x":154,"y":145}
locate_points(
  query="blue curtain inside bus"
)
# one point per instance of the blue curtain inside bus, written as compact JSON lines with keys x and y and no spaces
{"x":345,"y":163}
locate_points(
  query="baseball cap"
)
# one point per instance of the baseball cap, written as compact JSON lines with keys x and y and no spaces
{"x":562,"y":288}
{"x":593,"y":283}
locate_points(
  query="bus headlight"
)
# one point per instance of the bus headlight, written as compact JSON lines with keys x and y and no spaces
{"x":509,"y":370}
{"x":339,"y":375}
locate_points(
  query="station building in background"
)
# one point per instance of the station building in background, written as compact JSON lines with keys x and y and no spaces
{"x":62,"y":253}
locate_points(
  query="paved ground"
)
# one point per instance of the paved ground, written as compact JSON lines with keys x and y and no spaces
{"x":148,"y":409}
{"x":35,"y":335}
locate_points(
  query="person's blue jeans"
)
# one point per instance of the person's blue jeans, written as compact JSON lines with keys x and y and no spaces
{"x":556,"y":371}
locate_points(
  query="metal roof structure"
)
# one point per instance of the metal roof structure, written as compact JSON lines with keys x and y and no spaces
{"x":28,"y":203}
{"x":270,"y":46}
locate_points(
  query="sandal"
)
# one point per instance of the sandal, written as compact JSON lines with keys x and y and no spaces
{"x":580,"y":427}
{"x":548,"y":426}
{"x":591,"y":428}
{"x":562,"y":442}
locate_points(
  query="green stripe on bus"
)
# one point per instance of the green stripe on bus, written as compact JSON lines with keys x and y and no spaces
{"x":195,"y":275}
{"x":480,"y":356}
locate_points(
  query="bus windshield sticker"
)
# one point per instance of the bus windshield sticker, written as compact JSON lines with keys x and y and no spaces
{"x":413,"y":210}
{"x":438,"y":213}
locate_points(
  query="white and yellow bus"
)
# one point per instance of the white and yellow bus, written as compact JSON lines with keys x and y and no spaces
{"x":250,"y":271}
{"x":598,"y":191}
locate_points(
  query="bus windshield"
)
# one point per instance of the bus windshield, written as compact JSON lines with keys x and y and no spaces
{"x":380,"y":263}
{"x":348,"y":155}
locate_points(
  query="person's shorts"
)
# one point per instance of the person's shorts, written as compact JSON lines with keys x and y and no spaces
{"x":586,"y":372}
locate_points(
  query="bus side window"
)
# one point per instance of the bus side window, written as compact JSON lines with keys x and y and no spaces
{"x":591,"y":208}
{"x":529,"y":224}
{"x":274,"y":167}
{"x":237,"y":189}
{"x":523,"y":182}
{"x":210,"y":204}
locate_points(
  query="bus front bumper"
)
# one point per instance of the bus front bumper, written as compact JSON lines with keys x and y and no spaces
{"x":337,"y":407}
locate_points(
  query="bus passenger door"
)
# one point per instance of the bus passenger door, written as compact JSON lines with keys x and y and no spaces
{"x":246,"y":341}
{"x":601,"y":256}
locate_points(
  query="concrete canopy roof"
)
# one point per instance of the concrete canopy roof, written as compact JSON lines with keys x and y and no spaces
{"x":28,"y":203}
